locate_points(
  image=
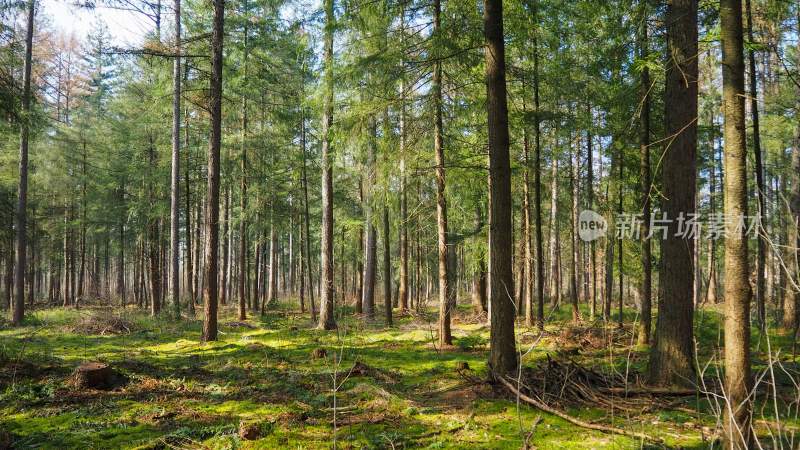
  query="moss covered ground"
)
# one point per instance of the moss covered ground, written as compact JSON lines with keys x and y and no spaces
{"x":176,"y":392}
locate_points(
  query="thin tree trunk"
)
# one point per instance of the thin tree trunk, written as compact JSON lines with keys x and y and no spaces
{"x":537,"y":178}
{"x":326,"y":319}
{"x":760,"y":188}
{"x":574,"y":176}
{"x":646,"y":288}
{"x":555,"y":279}
{"x":371,"y":244}
{"x":445,"y":336}
{"x":387,"y":267}
{"x":403,"y":288}
{"x":175,"y":175}
{"x":528,"y":278}
{"x":212,"y":206}
{"x":306,"y":242}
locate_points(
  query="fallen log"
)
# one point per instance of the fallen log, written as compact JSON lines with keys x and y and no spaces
{"x":573,"y":420}
{"x":654,"y":391}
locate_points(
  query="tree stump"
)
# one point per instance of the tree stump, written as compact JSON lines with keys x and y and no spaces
{"x":93,"y":375}
{"x":249,"y":431}
{"x":319,"y":353}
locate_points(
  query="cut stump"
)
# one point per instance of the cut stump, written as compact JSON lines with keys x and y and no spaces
{"x":94,"y":375}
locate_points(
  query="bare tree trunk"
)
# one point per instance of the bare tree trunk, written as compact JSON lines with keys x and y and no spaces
{"x":738,"y":382}
{"x":445,"y":336}
{"x":528,"y":278}
{"x":574,"y":177}
{"x":273,"y":242}
{"x":22,"y":201}
{"x":306,"y":242}
{"x":403,"y":288}
{"x":537,"y":178}
{"x":326,"y":319}
{"x":555,"y":250}
{"x":646,"y":288}
{"x":671,"y":359}
{"x":387,"y":267}
{"x":760,"y":189}
{"x":175,"y":175}
{"x":503,"y":354}
{"x":212,"y":206}
{"x":371,"y":246}
{"x":190,"y":268}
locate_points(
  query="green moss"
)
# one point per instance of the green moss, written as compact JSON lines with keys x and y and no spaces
{"x":183,"y":391}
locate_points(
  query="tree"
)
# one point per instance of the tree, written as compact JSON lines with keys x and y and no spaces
{"x":738,"y":383}
{"x":326,"y":316}
{"x":210,"y":291}
{"x":503,"y":352}
{"x":646,"y":287}
{"x":175,"y":175}
{"x":22,"y":199}
{"x":671,"y":358}
{"x":445,"y":288}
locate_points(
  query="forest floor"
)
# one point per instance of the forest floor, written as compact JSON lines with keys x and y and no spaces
{"x":394,"y":388}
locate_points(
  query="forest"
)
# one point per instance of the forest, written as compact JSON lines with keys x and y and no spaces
{"x":530,"y":224}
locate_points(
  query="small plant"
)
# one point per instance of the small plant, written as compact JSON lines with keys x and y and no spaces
{"x":471,"y":342}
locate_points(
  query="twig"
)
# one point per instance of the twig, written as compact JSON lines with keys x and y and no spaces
{"x":571,"y":419}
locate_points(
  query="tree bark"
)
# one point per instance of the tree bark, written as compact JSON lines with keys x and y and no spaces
{"x":212,"y":206}
{"x":760,"y":188}
{"x":371,"y":245}
{"x":445,"y":289}
{"x":646,"y":288}
{"x":387,"y":267}
{"x":22,"y":200}
{"x":175,"y":175}
{"x":326,"y":318}
{"x":307,"y":236}
{"x":738,"y":383}
{"x":503,"y":353}
{"x":671,"y":359}
{"x":574,"y":177}
{"x":537,"y":179}
{"x":403,"y":288}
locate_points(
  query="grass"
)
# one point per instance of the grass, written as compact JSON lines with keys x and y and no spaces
{"x":182,"y":393}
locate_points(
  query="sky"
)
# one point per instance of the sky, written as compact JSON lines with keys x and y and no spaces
{"x":126,"y":28}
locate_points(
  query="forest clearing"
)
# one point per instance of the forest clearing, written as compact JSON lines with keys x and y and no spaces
{"x":527,"y":224}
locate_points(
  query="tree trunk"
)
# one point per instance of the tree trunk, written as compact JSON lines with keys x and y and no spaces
{"x":528,"y":278}
{"x":22,"y":200}
{"x":326,"y":319}
{"x":646,"y":288}
{"x":306,"y":242}
{"x":445,"y":336}
{"x":760,"y":189}
{"x":243,"y":250}
{"x":403,"y":288}
{"x":574,"y":177}
{"x":371,"y":245}
{"x":387,"y":267}
{"x":503,"y":353}
{"x":175,"y":175}
{"x":738,"y":383}
{"x":555,"y":279}
{"x":671,"y":359}
{"x":212,"y":206}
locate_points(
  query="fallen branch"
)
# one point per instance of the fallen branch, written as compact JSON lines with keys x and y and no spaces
{"x":654,"y":391}
{"x":573,"y":420}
